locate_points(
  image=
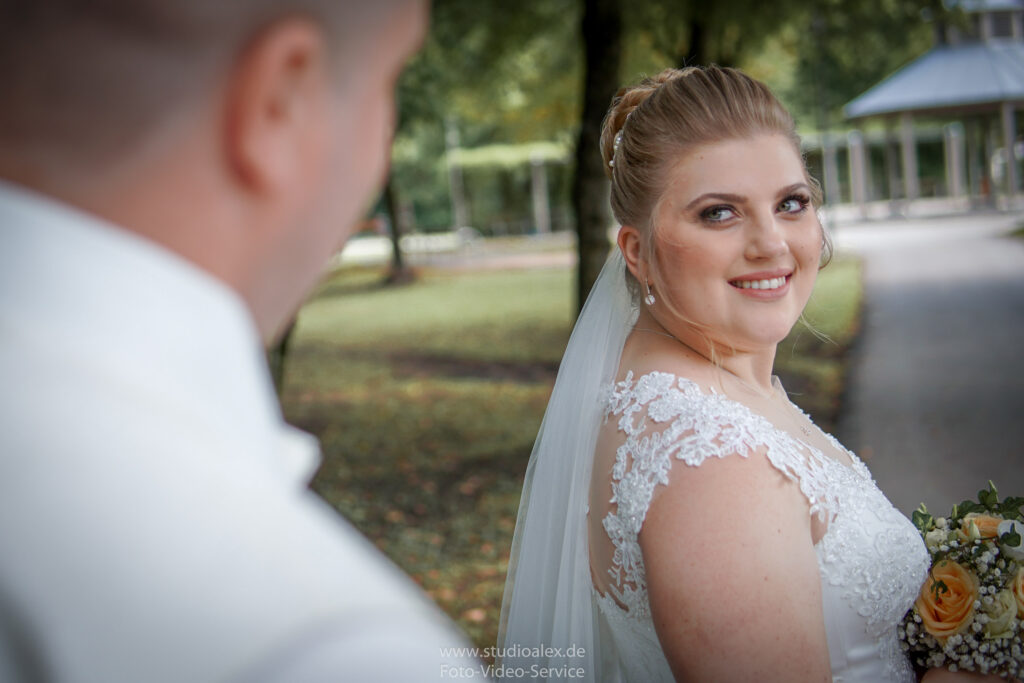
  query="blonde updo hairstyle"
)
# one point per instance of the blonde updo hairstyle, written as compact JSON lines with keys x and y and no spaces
{"x":663,"y":118}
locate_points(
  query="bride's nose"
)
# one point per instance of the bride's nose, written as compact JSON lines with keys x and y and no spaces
{"x":766,"y":238}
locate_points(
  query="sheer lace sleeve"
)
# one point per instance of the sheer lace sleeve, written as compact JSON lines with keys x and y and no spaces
{"x":665,"y":418}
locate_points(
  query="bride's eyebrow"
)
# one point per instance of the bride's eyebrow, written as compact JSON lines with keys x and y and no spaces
{"x":722,"y":196}
{"x":740,"y":199}
{"x":789,"y":189}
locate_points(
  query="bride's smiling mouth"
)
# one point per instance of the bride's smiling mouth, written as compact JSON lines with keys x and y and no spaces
{"x":763,"y":285}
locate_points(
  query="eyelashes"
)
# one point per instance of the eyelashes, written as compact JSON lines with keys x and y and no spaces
{"x":802,"y":202}
{"x":719,"y":213}
{"x":794,"y":205}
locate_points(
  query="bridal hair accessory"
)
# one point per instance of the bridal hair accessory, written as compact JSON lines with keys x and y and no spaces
{"x":967,"y":615}
{"x":615,"y":148}
{"x":649,"y":299}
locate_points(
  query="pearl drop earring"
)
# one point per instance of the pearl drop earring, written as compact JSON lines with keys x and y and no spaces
{"x":649,"y":299}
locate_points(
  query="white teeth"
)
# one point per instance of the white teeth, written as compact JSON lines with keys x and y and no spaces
{"x":773,"y":283}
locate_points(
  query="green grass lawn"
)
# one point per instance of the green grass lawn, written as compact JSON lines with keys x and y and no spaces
{"x":427,"y":398}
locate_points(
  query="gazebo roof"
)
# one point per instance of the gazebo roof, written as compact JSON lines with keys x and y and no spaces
{"x":983,"y":5}
{"x":949,"y":77}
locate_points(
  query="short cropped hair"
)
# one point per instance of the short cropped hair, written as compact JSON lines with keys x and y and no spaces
{"x":87,"y":81}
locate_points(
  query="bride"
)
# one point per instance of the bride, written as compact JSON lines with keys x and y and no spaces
{"x":681,"y":519}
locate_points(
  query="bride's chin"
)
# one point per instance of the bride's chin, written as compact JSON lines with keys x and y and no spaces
{"x":756,"y":343}
{"x":773,"y":331}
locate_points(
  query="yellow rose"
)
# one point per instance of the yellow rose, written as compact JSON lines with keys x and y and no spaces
{"x":950,"y":611}
{"x":1001,"y":613}
{"x":1018,"y":592}
{"x":987,"y":524}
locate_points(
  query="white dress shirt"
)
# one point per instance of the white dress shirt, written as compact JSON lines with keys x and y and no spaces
{"x":155,"y":523}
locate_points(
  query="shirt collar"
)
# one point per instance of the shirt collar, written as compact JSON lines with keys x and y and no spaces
{"x":139,"y":308}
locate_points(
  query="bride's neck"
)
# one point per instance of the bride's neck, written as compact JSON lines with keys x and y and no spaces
{"x":752,"y":367}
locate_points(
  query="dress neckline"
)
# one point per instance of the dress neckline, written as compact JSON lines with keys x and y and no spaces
{"x":856,"y":465}
{"x":856,"y":468}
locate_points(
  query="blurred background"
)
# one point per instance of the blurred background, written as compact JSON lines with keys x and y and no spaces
{"x":425,"y":359}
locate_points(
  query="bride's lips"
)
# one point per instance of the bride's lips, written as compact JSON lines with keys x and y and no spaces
{"x":764,"y":285}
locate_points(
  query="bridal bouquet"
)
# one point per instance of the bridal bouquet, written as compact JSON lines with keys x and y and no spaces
{"x":970,"y":612}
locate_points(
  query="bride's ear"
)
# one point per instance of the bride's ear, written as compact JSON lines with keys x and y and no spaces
{"x":630,"y":241}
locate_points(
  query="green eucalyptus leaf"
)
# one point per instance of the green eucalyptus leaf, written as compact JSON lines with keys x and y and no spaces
{"x":922,"y":520}
{"x":963,"y":509}
{"x":1011,"y":507}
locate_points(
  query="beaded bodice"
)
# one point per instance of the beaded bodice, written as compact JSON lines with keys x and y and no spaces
{"x":871,"y":559}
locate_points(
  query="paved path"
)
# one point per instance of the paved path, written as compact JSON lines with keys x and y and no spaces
{"x":935,"y":403}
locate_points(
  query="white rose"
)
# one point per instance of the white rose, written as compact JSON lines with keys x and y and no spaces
{"x":1015,"y":552}
{"x":1000,"y":615}
{"x":934,"y":538}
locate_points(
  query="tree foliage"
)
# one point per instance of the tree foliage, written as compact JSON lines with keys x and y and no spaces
{"x":844,"y":48}
{"x":692,"y":32}
{"x":524,"y":72}
{"x":506,"y":71}
{"x":497,"y":73}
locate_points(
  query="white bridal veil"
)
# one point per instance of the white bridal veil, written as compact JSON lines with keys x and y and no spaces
{"x":549,"y":625}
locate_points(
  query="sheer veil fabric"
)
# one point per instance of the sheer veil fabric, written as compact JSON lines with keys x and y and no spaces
{"x":549,"y":624}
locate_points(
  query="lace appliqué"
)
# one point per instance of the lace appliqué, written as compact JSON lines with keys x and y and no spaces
{"x":697,"y":426}
{"x":879,"y":576}
{"x":876,"y":557}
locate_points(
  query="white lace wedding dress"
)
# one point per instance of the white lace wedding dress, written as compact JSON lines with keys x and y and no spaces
{"x":872,"y":561}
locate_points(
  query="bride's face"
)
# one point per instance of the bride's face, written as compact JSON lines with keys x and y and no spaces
{"x":737,"y":243}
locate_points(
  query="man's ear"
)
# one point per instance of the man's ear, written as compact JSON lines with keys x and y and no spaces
{"x":273,"y":99}
{"x":630,"y":242}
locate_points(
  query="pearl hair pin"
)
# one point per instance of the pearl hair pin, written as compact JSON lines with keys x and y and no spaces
{"x":615,"y":148}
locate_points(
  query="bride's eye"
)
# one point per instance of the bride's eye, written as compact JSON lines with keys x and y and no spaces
{"x":794,"y":204}
{"x":717,"y":214}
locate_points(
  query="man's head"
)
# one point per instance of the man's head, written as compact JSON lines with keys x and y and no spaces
{"x":246,"y":135}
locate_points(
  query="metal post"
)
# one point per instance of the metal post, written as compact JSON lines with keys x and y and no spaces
{"x":986,"y":26}
{"x":972,"y":133}
{"x":892,"y":172}
{"x":1009,"y":138}
{"x":831,"y":170}
{"x":953,"y":139}
{"x":858,"y":170}
{"x":992,"y":135}
{"x":911,"y":187}
{"x":539,"y":194}
{"x":460,"y":212}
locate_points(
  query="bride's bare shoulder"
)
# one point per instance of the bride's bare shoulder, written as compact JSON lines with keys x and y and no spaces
{"x":722,"y":537}
{"x":645,"y":354}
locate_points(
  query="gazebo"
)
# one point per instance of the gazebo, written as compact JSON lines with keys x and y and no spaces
{"x":973,"y":78}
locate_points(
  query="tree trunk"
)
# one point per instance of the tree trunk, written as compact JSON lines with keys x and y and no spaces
{"x":602,"y":42}
{"x":399,"y":272}
{"x":697,"y":47}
